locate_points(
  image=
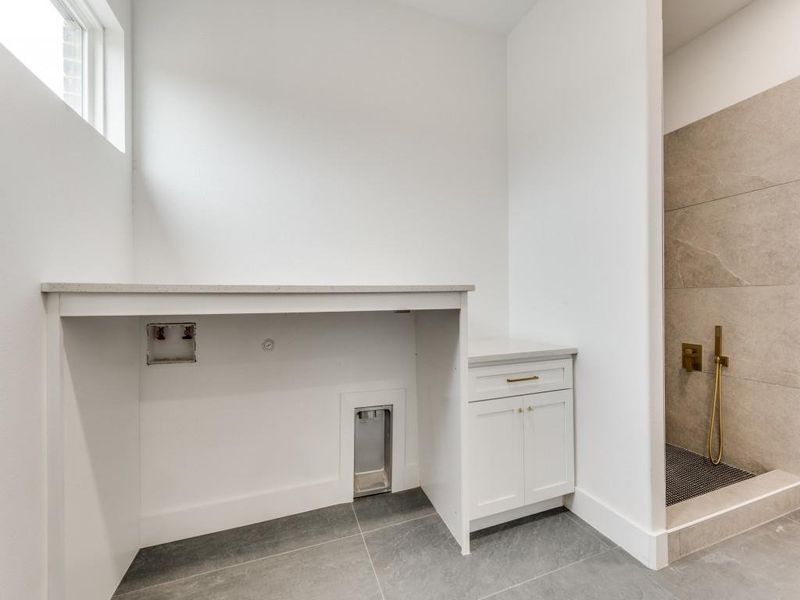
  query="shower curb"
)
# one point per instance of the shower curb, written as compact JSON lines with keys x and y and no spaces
{"x":706,"y":520}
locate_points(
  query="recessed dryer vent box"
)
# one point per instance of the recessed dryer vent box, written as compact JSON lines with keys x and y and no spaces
{"x":373,"y":451}
{"x":171,"y":343}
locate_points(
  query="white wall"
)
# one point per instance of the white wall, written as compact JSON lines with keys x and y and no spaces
{"x":100,"y":448}
{"x":750,"y":52}
{"x":65,"y":213}
{"x":297,"y":141}
{"x":585,"y":241}
{"x":244,"y":435}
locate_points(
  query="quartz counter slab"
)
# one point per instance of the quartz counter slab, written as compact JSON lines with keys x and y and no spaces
{"x":142,"y":299}
{"x":157,"y":288}
{"x":499,"y":350}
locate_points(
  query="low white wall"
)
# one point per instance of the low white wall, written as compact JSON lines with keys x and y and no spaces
{"x":586,"y":242}
{"x":65,"y":213}
{"x":298,"y":141}
{"x":245,"y":435}
{"x":752,"y":51}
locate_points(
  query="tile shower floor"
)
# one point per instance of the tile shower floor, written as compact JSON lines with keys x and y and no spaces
{"x":395,"y":547}
{"x":690,"y":475}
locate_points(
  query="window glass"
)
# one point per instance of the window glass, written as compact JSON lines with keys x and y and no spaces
{"x":73,"y":65}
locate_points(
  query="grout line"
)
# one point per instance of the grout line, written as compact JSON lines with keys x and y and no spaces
{"x":521,"y":583}
{"x":732,"y":536}
{"x":369,"y":556}
{"x":732,"y":287}
{"x":382,"y":527}
{"x":768,"y":187}
{"x":710,"y":374}
{"x":667,"y":593}
{"x":239,"y":564}
{"x":360,"y":532}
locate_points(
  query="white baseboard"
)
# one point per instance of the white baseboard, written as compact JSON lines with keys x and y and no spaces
{"x":210,"y":517}
{"x":647,"y":547}
{"x":410,"y":479}
{"x":228,"y":513}
{"x":515,"y":513}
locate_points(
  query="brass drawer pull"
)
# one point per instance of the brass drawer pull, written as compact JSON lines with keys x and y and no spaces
{"x":518,"y":379}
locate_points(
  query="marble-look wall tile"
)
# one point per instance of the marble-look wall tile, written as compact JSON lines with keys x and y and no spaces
{"x":732,"y":258}
{"x":761,"y":420}
{"x":760,"y":330}
{"x":747,"y":147}
{"x":750,"y":239}
{"x":688,"y":409}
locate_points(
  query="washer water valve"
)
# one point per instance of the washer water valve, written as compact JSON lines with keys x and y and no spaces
{"x":171,"y":343}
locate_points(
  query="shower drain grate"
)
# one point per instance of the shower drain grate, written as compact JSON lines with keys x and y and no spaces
{"x":690,"y":475}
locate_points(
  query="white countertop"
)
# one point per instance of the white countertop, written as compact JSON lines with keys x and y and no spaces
{"x":506,"y":349}
{"x":148,"y":288}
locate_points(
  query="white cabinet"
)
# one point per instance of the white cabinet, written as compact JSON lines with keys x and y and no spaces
{"x":548,"y":455}
{"x":497,"y":381}
{"x":521,"y":443}
{"x":496,"y":456}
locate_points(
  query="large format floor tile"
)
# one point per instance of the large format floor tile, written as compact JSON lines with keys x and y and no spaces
{"x":554,"y":556}
{"x":334,"y":571}
{"x":759,"y":564}
{"x":612,"y":574}
{"x":420,"y":559}
{"x":379,"y":511}
{"x":176,"y":560}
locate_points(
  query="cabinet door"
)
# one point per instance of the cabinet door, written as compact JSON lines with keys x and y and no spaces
{"x":496,"y":450}
{"x":549,"y":453}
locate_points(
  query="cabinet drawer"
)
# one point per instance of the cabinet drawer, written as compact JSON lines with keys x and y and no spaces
{"x":516,"y":379}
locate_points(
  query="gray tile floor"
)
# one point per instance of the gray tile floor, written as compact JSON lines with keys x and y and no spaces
{"x":395,"y":547}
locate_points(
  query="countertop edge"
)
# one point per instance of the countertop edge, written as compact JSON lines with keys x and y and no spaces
{"x":145,"y":288}
{"x":522,"y":356}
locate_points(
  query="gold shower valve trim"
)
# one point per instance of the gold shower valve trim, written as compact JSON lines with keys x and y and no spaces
{"x":692,"y":357}
{"x":718,"y":358}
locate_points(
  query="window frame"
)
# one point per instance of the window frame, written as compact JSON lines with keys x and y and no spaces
{"x":93,"y":67}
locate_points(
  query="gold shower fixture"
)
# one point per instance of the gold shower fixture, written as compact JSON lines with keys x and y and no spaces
{"x":692,"y":357}
{"x":716,"y":406}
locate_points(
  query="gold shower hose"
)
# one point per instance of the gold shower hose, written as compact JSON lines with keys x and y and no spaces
{"x":716,"y":409}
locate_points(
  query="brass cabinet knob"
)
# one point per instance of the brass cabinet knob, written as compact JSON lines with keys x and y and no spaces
{"x":519,"y":410}
{"x":530,"y":409}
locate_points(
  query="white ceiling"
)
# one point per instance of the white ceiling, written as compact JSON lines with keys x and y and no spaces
{"x":684,"y":20}
{"x":493,"y":15}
